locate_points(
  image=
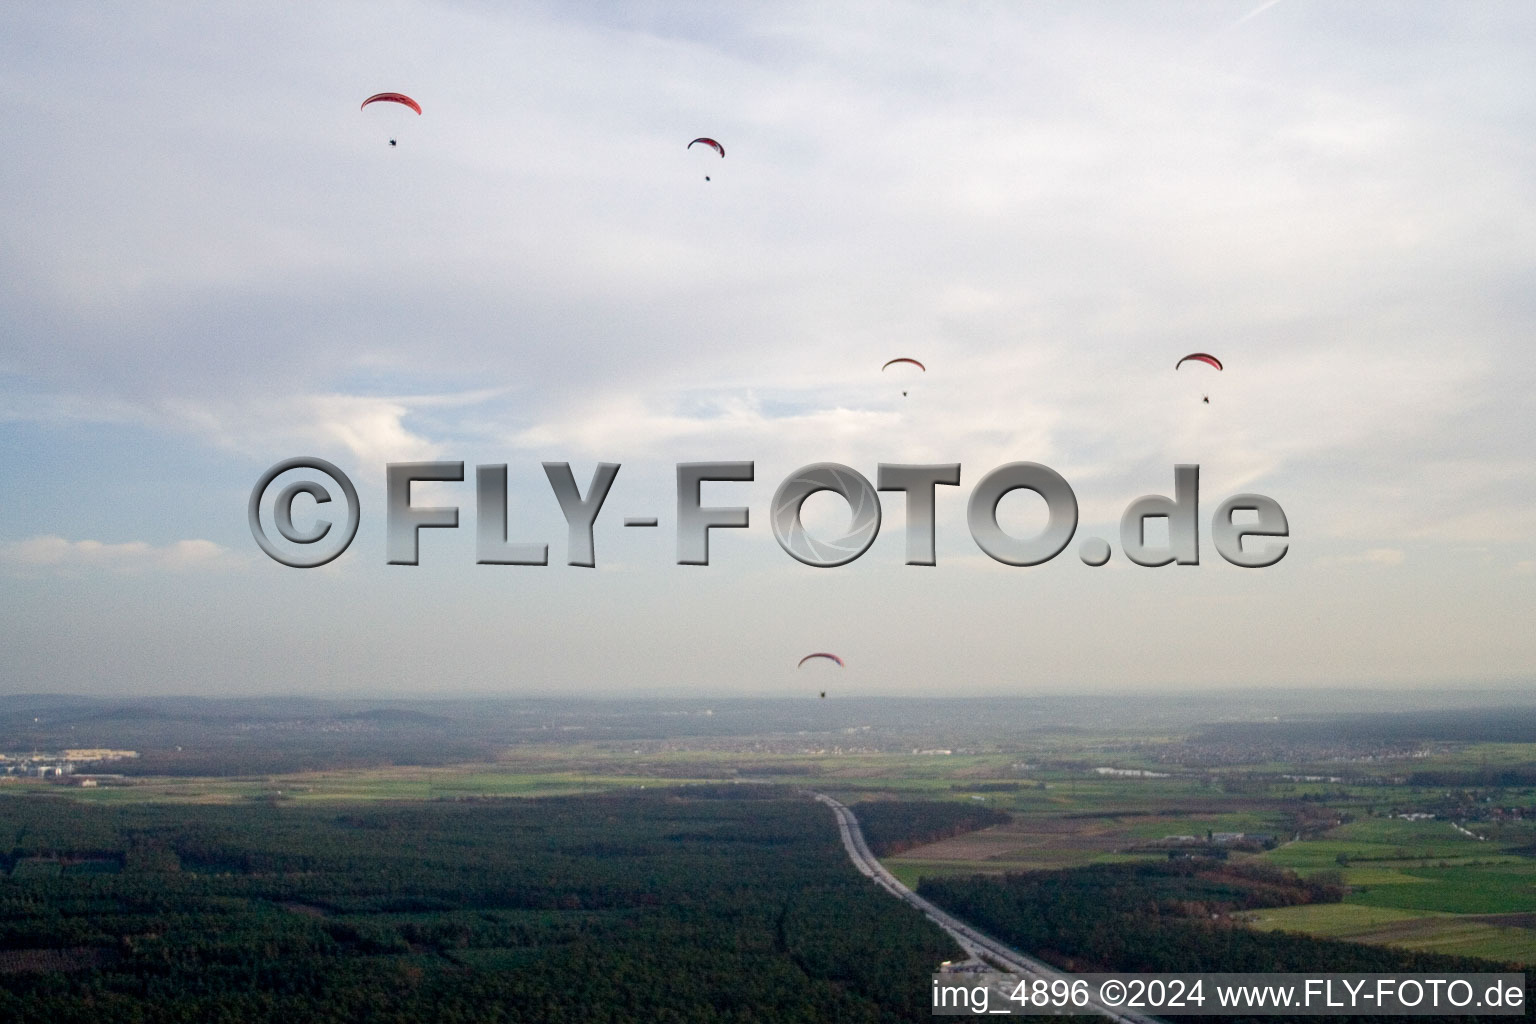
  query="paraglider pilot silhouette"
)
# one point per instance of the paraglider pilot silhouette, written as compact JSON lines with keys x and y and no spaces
{"x":1201,"y":357}
{"x":393,"y":97}
{"x":712,"y":144}
{"x":822,"y":654}
{"x":905,"y":360}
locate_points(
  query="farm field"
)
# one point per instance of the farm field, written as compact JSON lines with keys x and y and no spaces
{"x":1495,"y":937}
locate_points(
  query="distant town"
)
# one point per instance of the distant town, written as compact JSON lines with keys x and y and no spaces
{"x":64,"y":765}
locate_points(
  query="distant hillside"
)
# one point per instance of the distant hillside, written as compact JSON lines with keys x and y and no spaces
{"x":395,"y":716}
{"x":1465,"y":725}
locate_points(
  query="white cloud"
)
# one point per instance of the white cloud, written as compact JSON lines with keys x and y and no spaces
{"x":1385,"y":557}
{"x":371,"y":429}
{"x":57,"y":553}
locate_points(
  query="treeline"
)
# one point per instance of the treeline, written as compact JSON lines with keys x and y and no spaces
{"x":1169,"y":917}
{"x":891,"y":826}
{"x":1459,"y":725}
{"x":1506,"y":778}
{"x":734,"y":903}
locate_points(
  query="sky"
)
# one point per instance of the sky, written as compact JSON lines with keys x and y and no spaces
{"x":212,"y":260}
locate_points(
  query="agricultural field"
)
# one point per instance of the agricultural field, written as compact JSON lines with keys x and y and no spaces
{"x":371,"y":784}
{"x":1423,"y":884}
{"x":1495,"y":936}
{"x":1430,"y":885}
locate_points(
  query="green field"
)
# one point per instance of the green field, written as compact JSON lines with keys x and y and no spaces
{"x":1510,"y":939}
{"x":1473,"y":889}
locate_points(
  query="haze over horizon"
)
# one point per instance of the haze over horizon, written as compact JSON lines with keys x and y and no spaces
{"x":212,"y":260}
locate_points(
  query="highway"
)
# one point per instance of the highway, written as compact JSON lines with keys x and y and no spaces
{"x":976,"y":944}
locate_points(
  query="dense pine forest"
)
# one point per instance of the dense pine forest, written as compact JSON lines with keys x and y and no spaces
{"x":729,"y":903}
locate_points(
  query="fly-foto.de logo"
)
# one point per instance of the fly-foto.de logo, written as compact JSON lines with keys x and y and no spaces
{"x":1253,"y":518}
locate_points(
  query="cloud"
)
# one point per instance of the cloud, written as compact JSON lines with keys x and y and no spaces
{"x":371,"y":429}
{"x":57,"y":553}
{"x":1385,"y":557}
{"x":1266,"y":5}
{"x":633,"y":425}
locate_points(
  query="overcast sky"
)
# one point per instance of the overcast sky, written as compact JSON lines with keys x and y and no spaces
{"x":211,"y":260}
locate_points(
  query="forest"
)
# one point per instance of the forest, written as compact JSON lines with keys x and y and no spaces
{"x":728,"y":903}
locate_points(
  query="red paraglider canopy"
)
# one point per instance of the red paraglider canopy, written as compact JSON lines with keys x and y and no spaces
{"x":392,"y":97}
{"x":711,"y":143}
{"x":1199,"y":357}
{"x":821,"y":654}
{"x":904,"y":359}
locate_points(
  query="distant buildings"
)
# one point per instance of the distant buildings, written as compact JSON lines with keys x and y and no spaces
{"x":1230,"y":838}
{"x":57,"y":765}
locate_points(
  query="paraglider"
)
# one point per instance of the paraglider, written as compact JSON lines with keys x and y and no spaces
{"x":712,"y":144}
{"x":904,"y":360}
{"x":1200,"y":357}
{"x":392,"y":97}
{"x":824,"y":656}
